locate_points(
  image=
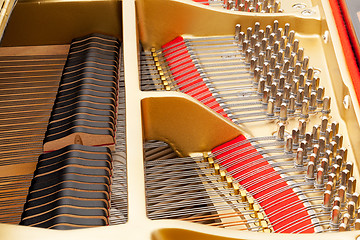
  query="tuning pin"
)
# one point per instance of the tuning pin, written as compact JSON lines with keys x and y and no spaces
{"x":342,"y":195}
{"x":261,"y":34}
{"x":338,"y":160}
{"x":333,"y":146}
{"x":292,"y":60}
{"x":287,"y":50}
{"x":253,"y":64}
{"x":292,"y":104}
{"x":316,"y":133}
{"x":277,"y":7}
{"x":299,"y":97}
{"x":245,"y":45}
{"x":357,"y":224}
{"x":325,"y":165}
{"x":323,"y":126}
{"x":295,"y":137}
{"x":266,"y":68}
{"x":326,"y":105}
{"x":273,"y":61}
{"x":261,"y":86}
{"x":321,"y":146}
{"x":242,"y":7}
{"x":302,"y":128}
{"x":256,"y":28}
{"x":320,"y":95}
{"x":291,"y":36}
{"x":343,"y":153}
{"x":289,"y":145}
{"x":265,"y":96}
{"x":302,"y":81}
{"x":319,"y":183}
{"x":264,"y":45}
{"x":283,"y":112}
{"x":303,"y":145}
{"x":297,"y":70}
{"x":350,"y":166}
{"x":344,"y":226}
{"x":336,"y":201}
{"x":307,"y":90}
{"x":328,"y":135}
{"x":275,"y":26}
{"x":335,"y":216}
{"x":304,"y":109}
{"x":329,"y":155}
{"x":248,"y":56}
{"x":294,"y":86}
{"x":278,"y":101}
{"x":312,"y":102}
{"x":281,"y":132}
{"x":257,"y":75}
{"x":237,"y":31}
{"x":339,"y":140}
{"x":316,"y":148}
{"x":327,"y":201}
{"x":268,"y":52}
{"x":299,"y":161}
{"x":310,"y":174}
{"x":273,"y":89}
{"x":355,"y":198}
{"x":331,"y":182}
{"x":310,"y":74}
{"x":313,"y":158}
{"x":305,"y":64}
{"x":345,"y":175}
{"x":286,"y":92}
{"x":300,"y":55}
{"x":286,"y":66}
{"x":336,"y":170}
{"x":248,"y":33}
{"x":278,"y":34}
{"x":261,"y":59}
{"x":351,"y":187}
{"x":309,"y":138}
{"x":270,"y":108}
{"x":351,"y":210}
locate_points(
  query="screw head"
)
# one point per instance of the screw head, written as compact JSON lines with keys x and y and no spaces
{"x":307,"y":12}
{"x":299,"y":5}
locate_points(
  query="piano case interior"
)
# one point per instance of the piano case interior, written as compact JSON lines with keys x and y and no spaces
{"x":262,"y":144}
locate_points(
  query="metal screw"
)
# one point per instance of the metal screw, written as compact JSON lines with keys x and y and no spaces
{"x":307,"y":12}
{"x":299,"y":5}
{"x":346,"y":103}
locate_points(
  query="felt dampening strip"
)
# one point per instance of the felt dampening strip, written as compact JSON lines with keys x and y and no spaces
{"x":71,"y":187}
{"x":88,"y":86}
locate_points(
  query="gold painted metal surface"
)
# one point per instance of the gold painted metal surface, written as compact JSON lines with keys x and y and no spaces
{"x":58,"y":22}
{"x":184,"y":124}
{"x":158,"y":22}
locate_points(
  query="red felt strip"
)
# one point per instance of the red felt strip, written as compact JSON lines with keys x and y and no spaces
{"x":186,"y":75}
{"x":202,"y":1}
{"x":286,"y":212}
{"x":350,"y":57}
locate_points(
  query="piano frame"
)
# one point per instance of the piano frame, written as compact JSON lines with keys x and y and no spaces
{"x":155,"y":22}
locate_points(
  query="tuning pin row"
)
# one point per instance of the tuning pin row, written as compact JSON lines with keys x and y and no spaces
{"x":281,"y":72}
{"x":263,"y":6}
